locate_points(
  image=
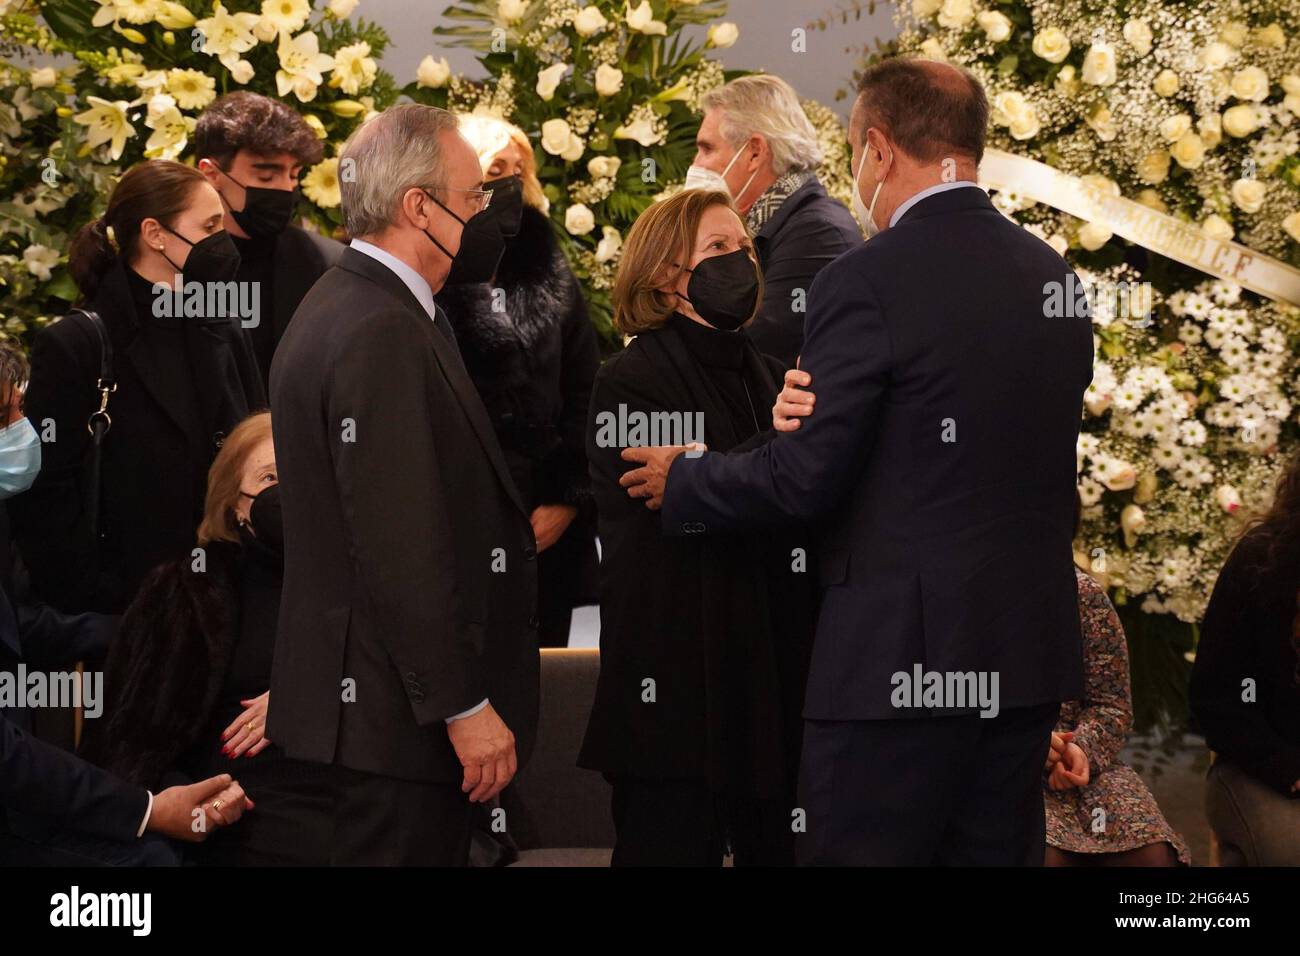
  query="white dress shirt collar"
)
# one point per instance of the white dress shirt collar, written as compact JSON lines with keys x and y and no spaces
{"x":412,"y":279}
{"x":926,"y":193}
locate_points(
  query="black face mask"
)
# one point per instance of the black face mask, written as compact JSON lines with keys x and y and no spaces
{"x":507,"y":204}
{"x":481,"y":247}
{"x":214,"y":259}
{"x":266,"y":212}
{"x":266,"y":519}
{"x":724,"y":290}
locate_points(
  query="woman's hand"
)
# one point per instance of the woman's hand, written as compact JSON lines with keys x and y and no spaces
{"x":1057,"y":749}
{"x":246,"y":736}
{"x":1071,"y":770}
{"x":793,"y":402}
{"x":550,"y":522}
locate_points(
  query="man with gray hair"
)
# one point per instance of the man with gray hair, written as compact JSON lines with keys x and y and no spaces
{"x":406,"y":654}
{"x":755,"y":143}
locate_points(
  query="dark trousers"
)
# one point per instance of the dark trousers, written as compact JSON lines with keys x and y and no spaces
{"x":683,"y":823}
{"x":384,"y":821}
{"x":930,"y":791}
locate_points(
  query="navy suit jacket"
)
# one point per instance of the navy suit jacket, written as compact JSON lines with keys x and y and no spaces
{"x":939,"y":463}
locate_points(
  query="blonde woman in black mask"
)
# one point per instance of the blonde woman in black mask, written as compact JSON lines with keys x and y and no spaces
{"x":180,"y":375}
{"x":704,"y":638}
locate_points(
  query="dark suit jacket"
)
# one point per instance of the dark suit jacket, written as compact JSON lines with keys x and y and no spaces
{"x":951,"y":554}
{"x":410,"y":563}
{"x":809,"y":230}
{"x":155,"y":459}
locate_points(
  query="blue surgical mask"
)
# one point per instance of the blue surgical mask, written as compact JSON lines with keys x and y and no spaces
{"x":20,"y":457}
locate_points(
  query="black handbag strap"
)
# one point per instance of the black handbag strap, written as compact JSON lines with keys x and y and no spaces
{"x":99,"y":421}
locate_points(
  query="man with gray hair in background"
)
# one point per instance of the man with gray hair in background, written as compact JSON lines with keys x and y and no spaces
{"x":406,"y":654}
{"x":756,"y":143}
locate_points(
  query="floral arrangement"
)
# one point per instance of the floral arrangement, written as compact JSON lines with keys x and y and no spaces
{"x":1192,"y":110}
{"x":141,"y":71}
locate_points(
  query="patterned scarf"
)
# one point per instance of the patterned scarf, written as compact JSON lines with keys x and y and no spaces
{"x":766,"y":205}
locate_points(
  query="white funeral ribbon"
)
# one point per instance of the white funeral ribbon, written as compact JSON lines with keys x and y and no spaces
{"x":1157,"y":231}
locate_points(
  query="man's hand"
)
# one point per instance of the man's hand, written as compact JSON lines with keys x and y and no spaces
{"x":792,"y":402}
{"x":486,"y":749}
{"x":550,"y":522}
{"x":651,"y":478}
{"x":219,"y":800}
{"x":1071,"y":770}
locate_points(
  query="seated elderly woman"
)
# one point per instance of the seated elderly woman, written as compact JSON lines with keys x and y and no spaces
{"x":187,"y":676}
{"x":704,"y":638}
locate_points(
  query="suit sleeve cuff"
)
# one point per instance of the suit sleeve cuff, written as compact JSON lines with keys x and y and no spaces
{"x":465,"y":713}
{"x":148,"y":812}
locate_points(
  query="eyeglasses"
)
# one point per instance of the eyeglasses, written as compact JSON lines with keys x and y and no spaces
{"x":479,"y":198}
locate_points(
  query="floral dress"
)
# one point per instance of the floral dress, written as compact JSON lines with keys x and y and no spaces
{"x":1115,"y":812}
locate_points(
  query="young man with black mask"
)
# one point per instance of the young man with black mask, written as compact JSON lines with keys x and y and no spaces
{"x":252,"y":148}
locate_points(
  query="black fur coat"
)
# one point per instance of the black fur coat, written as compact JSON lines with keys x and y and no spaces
{"x":532,"y":353}
{"x":166,"y":667}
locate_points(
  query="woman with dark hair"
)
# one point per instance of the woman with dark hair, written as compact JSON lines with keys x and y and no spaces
{"x":531,"y":350}
{"x":1245,"y":690}
{"x":155,"y":275}
{"x":704,"y":638}
{"x":186,"y":681}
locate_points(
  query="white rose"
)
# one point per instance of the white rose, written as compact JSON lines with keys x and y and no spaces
{"x":1123,"y":476}
{"x":1216,"y":227}
{"x":955,"y":14}
{"x":44,"y":77}
{"x":723,"y":35}
{"x":549,"y":79}
{"x":1250,"y":83}
{"x":925,"y":8}
{"x":1189,"y":151}
{"x":1102,"y":122}
{"x":1217,"y":55}
{"x":578,"y":220}
{"x":1292,"y":103}
{"x":1099,"y":65}
{"x":1154,"y":166}
{"x":609,"y":79}
{"x":1211,"y":129}
{"x":932,"y":49}
{"x":1240,"y":120}
{"x":610,"y":243}
{"x":1067,"y":83}
{"x":1133,"y":521}
{"x":433,"y":73}
{"x":555,"y":136}
{"x":642,"y":20}
{"x":1025,"y":126}
{"x":1248,"y":194}
{"x":1051,"y":44}
{"x":573,"y":149}
{"x":342,"y":8}
{"x":589,"y":22}
{"x":1272,"y":36}
{"x":1290,"y":82}
{"x":1166,"y":83}
{"x":1173,"y":128}
{"x":995,"y":25}
{"x":1234,"y":33}
{"x":1292,"y":225}
{"x":1151,"y":199}
{"x":1093,"y":235}
{"x":511,"y":10}
{"x":603,"y":167}
{"x":1139,"y":36}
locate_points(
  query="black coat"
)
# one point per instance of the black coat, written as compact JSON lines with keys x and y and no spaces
{"x":155,"y":456}
{"x":1247,"y":634}
{"x":533,"y":357}
{"x":940,"y":460}
{"x":722,"y":625}
{"x":410,"y":563}
{"x":296,"y":258}
{"x":807,"y":232}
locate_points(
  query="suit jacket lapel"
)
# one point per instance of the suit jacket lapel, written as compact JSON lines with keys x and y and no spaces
{"x":449,"y":360}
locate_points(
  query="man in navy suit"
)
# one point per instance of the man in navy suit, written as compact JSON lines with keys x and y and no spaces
{"x":939,"y":462}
